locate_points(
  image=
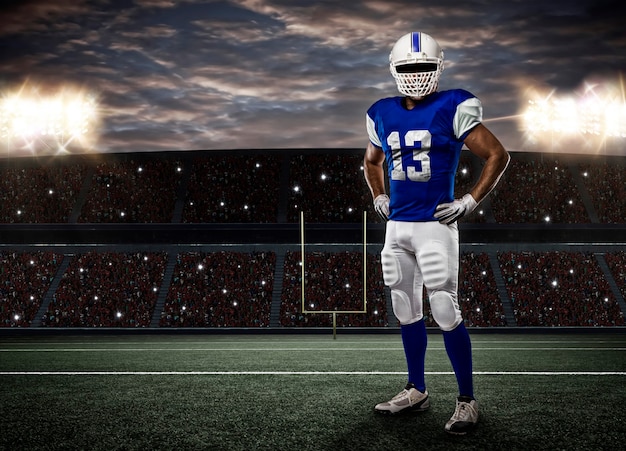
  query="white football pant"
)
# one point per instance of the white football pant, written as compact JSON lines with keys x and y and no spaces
{"x":418,"y":254}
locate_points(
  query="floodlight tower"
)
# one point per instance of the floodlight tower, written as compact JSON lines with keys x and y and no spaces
{"x":54,"y":122}
{"x":594,"y":117}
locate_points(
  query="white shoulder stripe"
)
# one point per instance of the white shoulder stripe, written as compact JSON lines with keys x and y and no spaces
{"x":469,"y":114}
{"x":371,"y":131}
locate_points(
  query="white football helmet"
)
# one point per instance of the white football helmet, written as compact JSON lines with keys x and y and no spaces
{"x":416,"y":62}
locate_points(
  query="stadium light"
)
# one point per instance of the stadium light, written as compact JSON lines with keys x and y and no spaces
{"x":596,"y":112}
{"x":601,"y":117}
{"x":37,"y":122}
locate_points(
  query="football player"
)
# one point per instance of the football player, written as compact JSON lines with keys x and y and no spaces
{"x":420,"y":135}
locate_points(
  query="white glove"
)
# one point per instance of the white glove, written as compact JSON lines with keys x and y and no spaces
{"x":381,"y":205}
{"x":450,"y":212}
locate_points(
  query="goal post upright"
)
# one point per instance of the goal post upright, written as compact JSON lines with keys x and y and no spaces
{"x":364,"y":261}
{"x":302,"y":260}
{"x":303,"y":271}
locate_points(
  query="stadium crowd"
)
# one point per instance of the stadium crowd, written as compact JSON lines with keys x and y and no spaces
{"x":220,"y":289}
{"x":101,"y":289}
{"x":233,"y":188}
{"x":538,"y":192}
{"x":25,"y":277}
{"x":328,"y":187}
{"x":234,"y":289}
{"x":606,"y":184}
{"x":478,"y":294}
{"x":616,"y":262}
{"x":132,"y":192}
{"x":107,"y":289}
{"x":39,"y":194}
{"x":558,"y":289}
{"x":333,"y":282}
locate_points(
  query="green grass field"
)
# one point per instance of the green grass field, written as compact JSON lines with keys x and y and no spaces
{"x":304,"y":392}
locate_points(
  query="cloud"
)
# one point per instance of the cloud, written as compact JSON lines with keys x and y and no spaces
{"x":292,"y":73}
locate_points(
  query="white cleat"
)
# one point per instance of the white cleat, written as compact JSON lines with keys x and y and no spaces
{"x":409,"y":399}
{"x":465,"y":417}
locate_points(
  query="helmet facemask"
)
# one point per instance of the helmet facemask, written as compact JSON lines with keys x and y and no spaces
{"x":415,"y":81}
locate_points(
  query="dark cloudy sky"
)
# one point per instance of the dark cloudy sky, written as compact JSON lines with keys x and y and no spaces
{"x":186,"y":75}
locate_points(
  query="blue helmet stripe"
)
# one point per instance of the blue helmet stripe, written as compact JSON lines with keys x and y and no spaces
{"x":415,"y":41}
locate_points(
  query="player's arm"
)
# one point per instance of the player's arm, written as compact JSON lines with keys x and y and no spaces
{"x":375,"y":178}
{"x":481,"y":142}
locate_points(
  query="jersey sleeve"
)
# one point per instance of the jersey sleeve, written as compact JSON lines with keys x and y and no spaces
{"x":469,"y":114}
{"x":371,"y":130}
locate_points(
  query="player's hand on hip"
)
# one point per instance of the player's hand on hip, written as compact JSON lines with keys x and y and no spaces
{"x":449,"y":212}
{"x":381,"y":205}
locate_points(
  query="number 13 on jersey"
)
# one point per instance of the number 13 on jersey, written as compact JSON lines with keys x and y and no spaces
{"x":415,"y":174}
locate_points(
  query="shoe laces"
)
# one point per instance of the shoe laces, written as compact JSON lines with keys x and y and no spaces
{"x":463,"y":411}
{"x":403,"y":394}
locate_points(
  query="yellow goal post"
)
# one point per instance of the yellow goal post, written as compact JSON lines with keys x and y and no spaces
{"x":333,"y":312}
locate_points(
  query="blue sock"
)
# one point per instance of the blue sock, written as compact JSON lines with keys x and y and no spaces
{"x":415,"y":339}
{"x":459,"y":349}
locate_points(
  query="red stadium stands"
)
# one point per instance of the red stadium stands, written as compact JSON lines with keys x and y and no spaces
{"x":25,"y":277}
{"x":558,"y":288}
{"x":107,"y":289}
{"x":221,"y":289}
{"x":529,"y":286}
{"x":333,"y":282}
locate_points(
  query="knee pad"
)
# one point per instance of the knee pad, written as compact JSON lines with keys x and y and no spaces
{"x":392,"y":274}
{"x":406,"y":309}
{"x":445,"y":310}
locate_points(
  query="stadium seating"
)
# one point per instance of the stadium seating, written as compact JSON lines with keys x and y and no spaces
{"x":329,"y":189}
{"x":333,"y":282}
{"x":606,"y":184}
{"x":538,"y":191}
{"x":478,"y":295}
{"x":234,"y":289}
{"x":233,"y":188}
{"x":251,"y":188}
{"x":617,"y":265}
{"x":132,"y":192}
{"x":107,"y":289}
{"x":558,"y":288}
{"x":272,"y":188}
{"x":220,"y":289}
{"x":39,"y":194}
{"x":25,"y":277}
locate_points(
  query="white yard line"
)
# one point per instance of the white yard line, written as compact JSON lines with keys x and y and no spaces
{"x":301,"y":373}
{"x":297,"y":349}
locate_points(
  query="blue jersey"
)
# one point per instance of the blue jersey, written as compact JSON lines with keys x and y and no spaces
{"x":422,"y":148}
